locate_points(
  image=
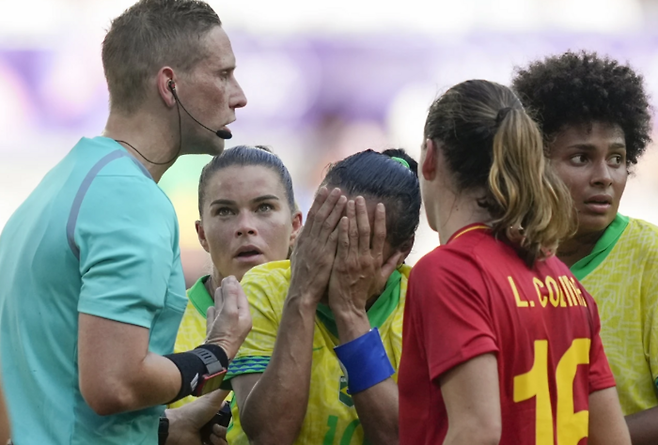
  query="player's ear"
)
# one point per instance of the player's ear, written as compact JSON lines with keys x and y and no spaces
{"x":201,"y":234}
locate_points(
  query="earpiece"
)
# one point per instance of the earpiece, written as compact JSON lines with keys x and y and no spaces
{"x":223,"y":134}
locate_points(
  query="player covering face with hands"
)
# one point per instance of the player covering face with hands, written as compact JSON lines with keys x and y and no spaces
{"x":327,"y":324}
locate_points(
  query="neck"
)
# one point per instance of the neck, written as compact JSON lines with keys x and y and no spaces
{"x":575,"y":249}
{"x":148,"y":134}
{"x":455,"y":211}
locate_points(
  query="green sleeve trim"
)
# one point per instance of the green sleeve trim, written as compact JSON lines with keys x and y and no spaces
{"x":378,"y":312}
{"x":602,"y":248}
{"x":247,"y":365}
{"x":199,"y":296}
{"x":244,"y":365}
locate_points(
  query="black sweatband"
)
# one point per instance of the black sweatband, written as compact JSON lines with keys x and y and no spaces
{"x":192,"y":367}
{"x":218,"y":351}
{"x":163,"y":430}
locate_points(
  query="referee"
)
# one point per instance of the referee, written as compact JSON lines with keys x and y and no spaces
{"x":92,"y":284}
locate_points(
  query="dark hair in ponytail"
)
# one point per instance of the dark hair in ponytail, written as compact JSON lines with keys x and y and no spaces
{"x":244,"y":155}
{"x":489,"y":142}
{"x":390,"y":177}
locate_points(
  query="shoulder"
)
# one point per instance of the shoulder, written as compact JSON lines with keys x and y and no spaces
{"x":274,"y":270}
{"x":639,"y":243}
{"x":642,"y":232}
{"x":269,"y":280}
{"x":456,"y":256}
{"x":110,"y":170}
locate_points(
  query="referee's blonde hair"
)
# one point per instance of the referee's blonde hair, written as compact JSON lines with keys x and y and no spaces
{"x":490,"y":142}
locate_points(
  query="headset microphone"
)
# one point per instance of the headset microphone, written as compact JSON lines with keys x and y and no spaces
{"x":223,"y":134}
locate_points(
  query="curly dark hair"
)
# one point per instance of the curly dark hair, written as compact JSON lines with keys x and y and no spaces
{"x":581,"y":87}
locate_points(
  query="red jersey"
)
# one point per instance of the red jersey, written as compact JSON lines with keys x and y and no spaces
{"x":474,"y":296}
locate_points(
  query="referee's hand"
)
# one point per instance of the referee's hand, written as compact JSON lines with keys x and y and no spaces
{"x":229,"y":321}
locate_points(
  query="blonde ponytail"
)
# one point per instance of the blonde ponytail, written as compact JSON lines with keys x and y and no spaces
{"x":531,"y":206}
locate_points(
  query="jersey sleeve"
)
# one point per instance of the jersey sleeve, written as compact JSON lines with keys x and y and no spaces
{"x":262,"y":288}
{"x":125,"y":240}
{"x":600,"y":374}
{"x":452,"y":304}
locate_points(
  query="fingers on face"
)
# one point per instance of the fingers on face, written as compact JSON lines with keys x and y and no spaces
{"x":319,"y":199}
{"x":363,"y":225}
{"x":379,"y":230}
{"x":328,"y":216}
{"x":344,"y":236}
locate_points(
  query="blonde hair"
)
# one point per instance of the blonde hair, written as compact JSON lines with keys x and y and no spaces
{"x":490,"y":142}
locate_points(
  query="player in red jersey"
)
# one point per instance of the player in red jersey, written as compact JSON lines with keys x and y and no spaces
{"x":500,"y":342}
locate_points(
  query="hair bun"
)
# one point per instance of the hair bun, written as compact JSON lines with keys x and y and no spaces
{"x":400,"y":155}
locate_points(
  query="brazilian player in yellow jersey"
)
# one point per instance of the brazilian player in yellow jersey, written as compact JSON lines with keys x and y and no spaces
{"x":595,"y":115}
{"x":331,"y":417}
{"x":320,"y":364}
{"x":247,"y":217}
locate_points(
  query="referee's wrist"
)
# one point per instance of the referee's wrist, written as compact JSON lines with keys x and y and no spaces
{"x":163,"y":429}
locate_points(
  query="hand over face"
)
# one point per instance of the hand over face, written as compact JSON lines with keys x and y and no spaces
{"x":359,"y":271}
{"x":315,"y":248}
{"x":229,"y":321}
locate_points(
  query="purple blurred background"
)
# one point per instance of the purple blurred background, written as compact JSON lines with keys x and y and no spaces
{"x":321,"y":84}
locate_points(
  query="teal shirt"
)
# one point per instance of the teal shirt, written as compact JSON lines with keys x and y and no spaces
{"x":97,"y":236}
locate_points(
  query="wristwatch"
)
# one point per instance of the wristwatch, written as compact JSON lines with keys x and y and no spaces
{"x":215,"y":372}
{"x":163,"y":430}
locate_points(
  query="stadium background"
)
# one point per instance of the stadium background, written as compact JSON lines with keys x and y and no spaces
{"x":323,"y":80}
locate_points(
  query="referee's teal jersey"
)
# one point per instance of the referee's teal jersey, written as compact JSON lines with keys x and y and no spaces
{"x":97,"y":236}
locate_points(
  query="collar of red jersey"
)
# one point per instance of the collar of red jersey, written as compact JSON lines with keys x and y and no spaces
{"x":468,"y":228}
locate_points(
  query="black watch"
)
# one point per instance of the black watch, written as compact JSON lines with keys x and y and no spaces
{"x":215,"y":369}
{"x":163,"y":430}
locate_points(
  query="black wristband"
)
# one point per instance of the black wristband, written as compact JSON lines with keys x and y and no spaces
{"x":163,"y":430}
{"x":194,"y":364}
{"x":218,"y":352}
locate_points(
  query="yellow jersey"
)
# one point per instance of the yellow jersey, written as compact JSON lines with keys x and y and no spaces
{"x":331,"y":418}
{"x":621,"y":274}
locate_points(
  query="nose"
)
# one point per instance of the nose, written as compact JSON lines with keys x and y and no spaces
{"x":238,"y":98}
{"x":245,"y":226}
{"x":601,"y":176}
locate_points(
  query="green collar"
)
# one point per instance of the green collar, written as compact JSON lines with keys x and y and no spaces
{"x":378,"y":312}
{"x":199,"y":296}
{"x":602,"y":248}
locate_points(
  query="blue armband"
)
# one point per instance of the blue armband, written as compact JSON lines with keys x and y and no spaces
{"x":364,"y":361}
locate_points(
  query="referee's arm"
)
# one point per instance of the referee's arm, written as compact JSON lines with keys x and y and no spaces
{"x":117,"y":371}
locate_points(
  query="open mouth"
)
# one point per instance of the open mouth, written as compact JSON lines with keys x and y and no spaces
{"x":599,"y":204}
{"x":599,"y":200}
{"x":248,"y":252}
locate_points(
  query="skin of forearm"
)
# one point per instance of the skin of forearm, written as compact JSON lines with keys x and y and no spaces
{"x":155,"y":381}
{"x":377,"y":406}
{"x":643,"y":427}
{"x":275,"y":408}
{"x":159,"y":382}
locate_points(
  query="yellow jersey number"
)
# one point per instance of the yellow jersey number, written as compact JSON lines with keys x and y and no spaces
{"x":571,"y":427}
